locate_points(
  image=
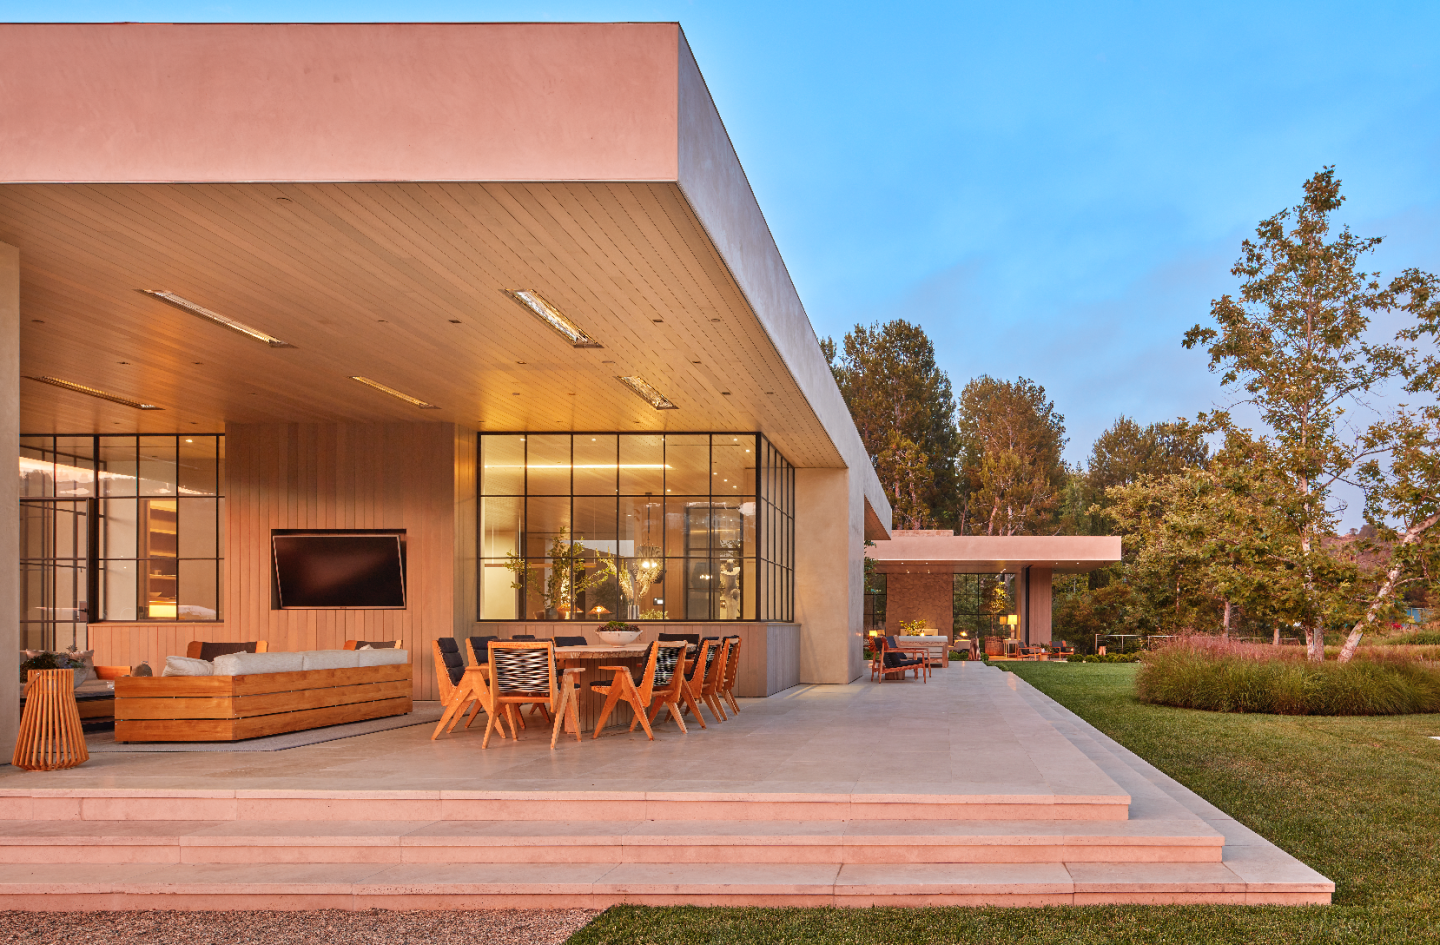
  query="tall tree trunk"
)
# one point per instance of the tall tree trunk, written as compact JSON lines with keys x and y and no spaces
{"x":1412,"y":535}
{"x":1225,"y":630}
{"x":1276,"y":640}
{"x":1314,"y":635}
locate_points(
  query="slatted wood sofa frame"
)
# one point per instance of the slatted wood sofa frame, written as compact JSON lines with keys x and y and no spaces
{"x":229,"y":708}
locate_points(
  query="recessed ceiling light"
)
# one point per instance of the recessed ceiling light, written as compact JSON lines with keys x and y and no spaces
{"x":550,"y":315}
{"x":454,"y":321}
{"x":647,"y":393}
{"x":393,"y":392}
{"x":93,"y":392}
{"x":205,"y":313}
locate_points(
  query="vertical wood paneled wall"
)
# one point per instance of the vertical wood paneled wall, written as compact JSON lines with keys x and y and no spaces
{"x":400,"y":475}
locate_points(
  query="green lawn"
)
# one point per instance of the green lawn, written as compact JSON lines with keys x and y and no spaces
{"x":1356,"y":798}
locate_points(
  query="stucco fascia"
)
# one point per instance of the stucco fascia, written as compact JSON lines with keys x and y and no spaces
{"x":719,"y":193}
{"x":155,"y":102}
{"x":1083,"y":552}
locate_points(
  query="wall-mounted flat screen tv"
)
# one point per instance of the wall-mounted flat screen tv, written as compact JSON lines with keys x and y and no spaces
{"x":356,"y":570}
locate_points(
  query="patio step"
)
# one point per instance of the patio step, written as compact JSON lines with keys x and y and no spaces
{"x":599,"y":885}
{"x":615,"y":842}
{"x":178,"y":805}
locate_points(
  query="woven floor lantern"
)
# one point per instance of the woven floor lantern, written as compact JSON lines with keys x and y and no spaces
{"x":50,"y":734}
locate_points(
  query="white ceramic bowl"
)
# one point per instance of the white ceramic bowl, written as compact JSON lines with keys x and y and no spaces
{"x":618,"y":637}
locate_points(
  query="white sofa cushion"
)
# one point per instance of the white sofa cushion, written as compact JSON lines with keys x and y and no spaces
{"x":250,"y":664}
{"x":383,"y":657}
{"x":331,"y":659}
{"x":185,"y":666}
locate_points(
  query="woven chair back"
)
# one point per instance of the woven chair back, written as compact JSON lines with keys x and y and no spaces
{"x":667,"y":661}
{"x":522,"y":669}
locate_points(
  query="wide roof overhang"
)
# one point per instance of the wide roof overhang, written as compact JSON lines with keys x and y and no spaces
{"x":943,"y":553}
{"x":369,"y":193}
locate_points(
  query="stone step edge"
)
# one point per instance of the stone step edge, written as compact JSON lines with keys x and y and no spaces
{"x":686,"y":839}
{"x":261,"y":805}
{"x":360,"y":896}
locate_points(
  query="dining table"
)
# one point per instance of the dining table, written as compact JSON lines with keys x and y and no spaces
{"x":588,"y":659}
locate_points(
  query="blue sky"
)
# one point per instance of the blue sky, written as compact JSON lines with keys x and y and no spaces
{"x":1052,"y":190}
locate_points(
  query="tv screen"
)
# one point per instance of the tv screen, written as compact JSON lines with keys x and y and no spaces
{"x":364,"y":570}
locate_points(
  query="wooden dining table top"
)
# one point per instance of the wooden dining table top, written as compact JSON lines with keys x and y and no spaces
{"x":600,"y":650}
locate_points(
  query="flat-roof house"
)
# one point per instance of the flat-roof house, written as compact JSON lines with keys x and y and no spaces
{"x":502,"y":290}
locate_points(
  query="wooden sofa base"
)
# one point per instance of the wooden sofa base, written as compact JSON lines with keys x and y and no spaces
{"x":229,"y":708}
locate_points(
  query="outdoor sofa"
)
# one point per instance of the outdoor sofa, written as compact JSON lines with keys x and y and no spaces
{"x":248,"y":695}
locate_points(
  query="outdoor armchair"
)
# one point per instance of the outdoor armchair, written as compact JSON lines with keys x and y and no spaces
{"x":661,"y":682}
{"x":892,"y":659}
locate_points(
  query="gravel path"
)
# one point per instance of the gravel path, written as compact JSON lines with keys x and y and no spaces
{"x":327,"y":927}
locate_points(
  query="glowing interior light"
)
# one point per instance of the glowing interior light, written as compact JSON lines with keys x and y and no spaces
{"x":647,"y":393}
{"x":393,"y":392}
{"x":92,"y":392}
{"x":201,"y":311}
{"x":550,"y":315}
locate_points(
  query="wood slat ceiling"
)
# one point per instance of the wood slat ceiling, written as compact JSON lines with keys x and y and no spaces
{"x":400,"y":282}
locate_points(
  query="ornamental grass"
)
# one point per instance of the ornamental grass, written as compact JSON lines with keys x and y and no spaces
{"x":1218,"y":676}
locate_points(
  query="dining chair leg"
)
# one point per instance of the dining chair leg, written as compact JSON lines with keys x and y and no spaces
{"x":716,"y":708}
{"x":634,"y":699}
{"x":692,"y":705}
{"x":474,"y":714}
{"x":561,"y":711}
{"x":450,"y":710}
{"x":729,"y":695}
{"x":674,"y":709}
{"x":612,"y":699}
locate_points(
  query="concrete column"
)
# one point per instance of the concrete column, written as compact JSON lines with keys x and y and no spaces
{"x":1039,"y":607}
{"x":9,"y":500}
{"x":829,"y":574}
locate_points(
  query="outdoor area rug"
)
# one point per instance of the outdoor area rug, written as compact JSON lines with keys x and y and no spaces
{"x":426,"y":713}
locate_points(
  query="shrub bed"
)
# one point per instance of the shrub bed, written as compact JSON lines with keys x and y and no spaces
{"x":1208,"y":674}
{"x":1107,"y":658}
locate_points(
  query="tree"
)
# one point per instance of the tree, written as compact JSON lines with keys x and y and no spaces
{"x":1209,"y":541}
{"x":1011,"y":472}
{"x":904,"y":411}
{"x":1294,"y":341}
{"x":1127,"y":451}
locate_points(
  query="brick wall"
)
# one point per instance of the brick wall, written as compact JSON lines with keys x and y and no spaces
{"x":928,"y":597}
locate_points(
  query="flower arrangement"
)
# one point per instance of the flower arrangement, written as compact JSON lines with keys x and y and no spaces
{"x":912,"y":628}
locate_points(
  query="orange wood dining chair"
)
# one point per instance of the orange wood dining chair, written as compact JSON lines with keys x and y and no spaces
{"x":662,"y":682}
{"x":714,"y":680}
{"x":695,"y":680}
{"x":732,"y":670}
{"x":457,"y":687}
